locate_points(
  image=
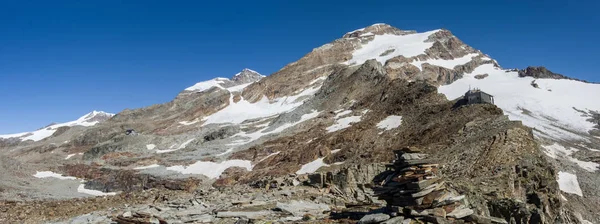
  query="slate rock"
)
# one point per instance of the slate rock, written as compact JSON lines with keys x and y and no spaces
{"x":374,"y":218}
{"x":395,"y":220}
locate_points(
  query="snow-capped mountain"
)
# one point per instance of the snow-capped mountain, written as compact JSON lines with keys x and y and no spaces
{"x":347,"y":105}
{"x":86,"y":120}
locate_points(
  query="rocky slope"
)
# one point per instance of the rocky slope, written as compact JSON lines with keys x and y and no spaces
{"x":320,"y":131}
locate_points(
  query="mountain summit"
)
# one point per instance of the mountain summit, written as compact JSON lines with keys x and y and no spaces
{"x":246,"y":76}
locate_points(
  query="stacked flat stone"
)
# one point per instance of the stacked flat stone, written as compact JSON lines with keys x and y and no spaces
{"x":414,"y":189}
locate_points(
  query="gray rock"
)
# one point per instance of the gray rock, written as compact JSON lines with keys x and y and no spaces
{"x":248,"y":215}
{"x":374,"y":218}
{"x":299,"y":208}
{"x":395,"y":220}
{"x":242,"y":221}
{"x":89,"y":218}
{"x":460,"y":212}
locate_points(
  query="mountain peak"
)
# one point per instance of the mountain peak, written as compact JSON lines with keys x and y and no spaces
{"x":246,"y":76}
{"x":95,"y":116}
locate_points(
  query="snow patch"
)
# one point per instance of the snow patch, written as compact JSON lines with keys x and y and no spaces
{"x":409,"y":45}
{"x":269,"y":156}
{"x":250,"y":137}
{"x":47,"y":174}
{"x":237,"y":113}
{"x":146,"y":167}
{"x":557,"y":151}
{"x":335,"y":151}
{"x":568,"y":183}
{"x":226,"y":152}
{"x":390,"y":122}
{"x":312,"y":166}
{"x":343,"y":123}
{"x":150,"y":146}
{"x":70,"y":155}
{"x":186,"y":123}
{"x":82,"y":189}
{"x":303,"y":118}
{"x":171,"y":149}
{"x":210,"y":169}
{"x":342,"y":113}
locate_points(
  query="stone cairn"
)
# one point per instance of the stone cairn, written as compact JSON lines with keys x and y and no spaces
{"x":414,"y":189}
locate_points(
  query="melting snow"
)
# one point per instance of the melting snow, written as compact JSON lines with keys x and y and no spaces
{"x":46,"y":174}
{"x":312,"y":166}
{"x":171,"y":149}
{"x":150,"y":146}
{"x":303,"y":118}
{"x":409,"y":45}
{"x":81,"y":189}
{"x":342,"y":113}
{"x":250,"y":137}
{"x":146,"y":167}
{"x":343,"y":123}
{"x":568,"y":183}
{"x":547,"y":111}
{"x":238,"y":88}
{"x":211,"y":169}
{"x":390,"y":122}
{"x":237,"y":113}
{"x":189,"y":122}
{"x":450,"y":64}
{"x":70,"y":155}
{"x":269,"y":156}
{"x":557,"y":151}
{"x":226,"y":152}
{"x":335,"y":151}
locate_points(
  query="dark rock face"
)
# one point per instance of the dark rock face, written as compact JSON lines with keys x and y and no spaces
{"x":111,"y":180}
{"x":543,"y":73}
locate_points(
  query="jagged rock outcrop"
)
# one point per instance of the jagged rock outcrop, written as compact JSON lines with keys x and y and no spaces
{"x":540,"y":72}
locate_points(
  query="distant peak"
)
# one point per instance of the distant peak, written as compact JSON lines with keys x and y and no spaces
{"x":96,"y":114}
{"x":247,"y":75}
{"x":249,"y":70}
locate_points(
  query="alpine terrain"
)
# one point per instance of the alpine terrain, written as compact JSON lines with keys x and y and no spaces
{"x":371,"y":128}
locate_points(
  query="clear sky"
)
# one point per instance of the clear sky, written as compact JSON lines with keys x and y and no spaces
{"x":62,"y":59}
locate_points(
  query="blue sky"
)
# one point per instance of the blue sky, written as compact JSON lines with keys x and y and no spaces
{"x":62,"y":59}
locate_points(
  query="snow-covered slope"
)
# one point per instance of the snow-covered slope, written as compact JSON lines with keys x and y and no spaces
{"x":549,"y":109}
{"x":556,"y":108}
{"x":89,"y":119}
{"x":236,"y":84}
{"x":406,"y":45}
